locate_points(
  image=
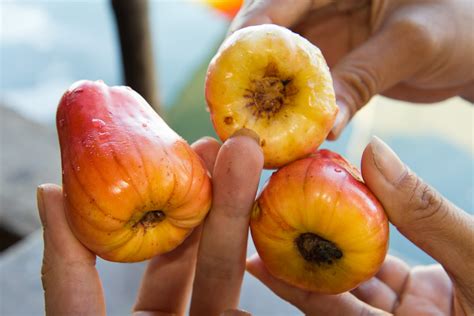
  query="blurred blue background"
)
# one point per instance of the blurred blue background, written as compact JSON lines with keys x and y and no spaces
{"x":47,"y":45}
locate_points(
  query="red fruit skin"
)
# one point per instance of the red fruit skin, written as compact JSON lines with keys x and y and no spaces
{"x":119,"y":161}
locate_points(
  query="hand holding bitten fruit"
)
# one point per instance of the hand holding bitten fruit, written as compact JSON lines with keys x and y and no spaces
{"x":315,"y":225}
{"x":413,"y":50}
{"x":419,"y":51}
{"x":319,"y":225}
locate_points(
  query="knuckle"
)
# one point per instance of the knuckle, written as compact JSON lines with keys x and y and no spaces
{"x":423,"y":202}
{"x":361,"y":82}
{"x":419,"y":34}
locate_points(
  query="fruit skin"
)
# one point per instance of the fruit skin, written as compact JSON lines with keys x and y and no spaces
{"x":229,"y":8}
{"x":324,"y":195}
{"x":119,"y":161}
{"x":276,"y":83}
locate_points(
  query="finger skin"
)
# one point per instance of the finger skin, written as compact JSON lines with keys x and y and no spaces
{"x":207,"y":148}
{"x":424,"y":292}
{"x":384,"y":290}
{"x":221,"y":256}
{"x":280,"y":12}
{"x":167,"y":282}
{"x":308,"y":302}
{"x":421,"y":214}
{"x":235,"y":312}
{"x":70,"y":280}
{"x":394,"y":273}
{"x":373,"y":67}
{"x":377,"y":294}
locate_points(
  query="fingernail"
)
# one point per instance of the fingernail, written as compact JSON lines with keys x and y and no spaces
{"x":248,"y":133}
{"x":250,"y":263}
{"x":235,"y":312}
{"x":386,"y":161}
{"x":341,"y":121}
{"x":205,"y":139}
{"x":40,"y":203}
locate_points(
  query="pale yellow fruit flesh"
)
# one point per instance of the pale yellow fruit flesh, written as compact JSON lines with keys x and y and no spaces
{"x":302,"y":122}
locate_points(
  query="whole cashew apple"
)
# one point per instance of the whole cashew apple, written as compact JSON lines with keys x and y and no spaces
{"x":132,"y":187}
{"x":317,"y":226}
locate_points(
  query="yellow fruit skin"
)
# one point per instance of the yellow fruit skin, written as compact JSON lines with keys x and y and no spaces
{"x":120,"y":161}
{"x":303,"y":122}
{"x":321,"y":194}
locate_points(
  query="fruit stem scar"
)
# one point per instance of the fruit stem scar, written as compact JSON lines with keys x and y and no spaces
{"x":269,"y":94}
{"x":151,"y":218}
{"x":316,"y":249}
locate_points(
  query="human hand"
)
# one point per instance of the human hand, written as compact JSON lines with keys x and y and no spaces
{"x":431,"y":222}
{"x":210,"y":263}
{"x":413,"y":50}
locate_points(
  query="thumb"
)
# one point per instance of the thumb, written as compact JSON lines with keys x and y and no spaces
{"x":70,"y":280}
{"x":396,"y":53}
{"x":419,"y":212}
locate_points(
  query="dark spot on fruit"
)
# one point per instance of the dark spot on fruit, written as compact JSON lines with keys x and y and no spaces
{"x":150,"y":219}
{"x":269,"y":94}
{"x":318,"y":250}
{"x":262,"y":142}
{"x":228,"y":120}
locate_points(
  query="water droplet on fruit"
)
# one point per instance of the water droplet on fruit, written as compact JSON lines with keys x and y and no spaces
{"x":98,"y":123}
{"x":78,"y":90}
{"x":78,"y":168}
{"x":337,"y":170}
{"x":119,"y":186}
{"x":61,"y":122}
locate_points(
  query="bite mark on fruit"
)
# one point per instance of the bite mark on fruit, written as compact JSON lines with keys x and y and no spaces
{"x":269,"y":94}
{"x":316,"y":249}
{"x":150,"y":219}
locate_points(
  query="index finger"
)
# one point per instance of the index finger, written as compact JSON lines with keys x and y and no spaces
{"x":221,"y":257}
{"x":70,"y":280}
{"x":167,"y":282}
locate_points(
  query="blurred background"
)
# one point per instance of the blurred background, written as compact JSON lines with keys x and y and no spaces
{"x":47,"y":45}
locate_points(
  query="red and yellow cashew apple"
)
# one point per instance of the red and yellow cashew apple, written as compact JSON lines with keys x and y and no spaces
{"x":318,"y":227}
{"x":132,"y":187}
{"x":276,"y":83}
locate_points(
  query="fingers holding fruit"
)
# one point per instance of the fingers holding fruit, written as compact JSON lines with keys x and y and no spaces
{"x":421,"y":214}
{"x":167,"y":283}
{"x":432,"y":43}
{"x":310,"y":303}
